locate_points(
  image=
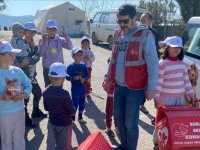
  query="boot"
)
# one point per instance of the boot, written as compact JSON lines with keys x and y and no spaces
{"x":29,"y":122}
{"x":37,"y":113}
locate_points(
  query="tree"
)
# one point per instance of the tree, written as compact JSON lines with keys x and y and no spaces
{"x":163,"y":11}
{"x":92,"y":6}
{"x":2,"y":5}
{"x":189,"y":8}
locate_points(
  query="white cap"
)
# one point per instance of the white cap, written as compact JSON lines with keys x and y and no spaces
{"x":51,"y":24}
{"x":76,"y":50}
{"x":85,"y":38}
{"x":57,"y":70}
{"x":30,"y":26}
{"x":173,"y":41}
{"x":5,"y":46}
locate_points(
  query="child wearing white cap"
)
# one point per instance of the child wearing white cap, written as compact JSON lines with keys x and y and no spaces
{"x":51,"y":47}
{"x":15,"y":86}
{"x":88,"y":59}
{"x":58,"y":103}
{"x":173,"y":74}
{"x":78,"y":75}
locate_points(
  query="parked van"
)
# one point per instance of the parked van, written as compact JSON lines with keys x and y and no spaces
{"x":103,"y":25}
{"x":191,"y":38}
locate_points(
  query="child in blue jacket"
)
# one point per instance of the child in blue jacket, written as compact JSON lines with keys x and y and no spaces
{"x":78,"y":75}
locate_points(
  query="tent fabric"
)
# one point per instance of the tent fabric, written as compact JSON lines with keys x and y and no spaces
{"x":72,"y":17}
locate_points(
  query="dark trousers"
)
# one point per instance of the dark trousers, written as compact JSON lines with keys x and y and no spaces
{"x":46,"y":76}
{"x":37,"y":93}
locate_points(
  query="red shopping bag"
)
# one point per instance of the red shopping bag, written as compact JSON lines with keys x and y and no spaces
{"x":95,"y":141}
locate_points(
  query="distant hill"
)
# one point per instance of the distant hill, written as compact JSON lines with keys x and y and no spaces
{"x":6,"y":20}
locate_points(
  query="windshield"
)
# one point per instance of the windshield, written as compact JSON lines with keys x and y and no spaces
{"x":191,"y":38}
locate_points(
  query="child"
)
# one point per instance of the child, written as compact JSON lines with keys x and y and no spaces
{"x":173,"y":79}
{"x":109,"y":108}
{"x":15,"y":86}
{"x":50,"y":47}
{"x":34,"y":57}
{"x":58,"y":102}
{"x":88,"y":59}
{"x":78,"y":75}
{"x":18,"y":42}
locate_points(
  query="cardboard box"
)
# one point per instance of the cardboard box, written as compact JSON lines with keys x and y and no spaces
{"x":178,"y":128}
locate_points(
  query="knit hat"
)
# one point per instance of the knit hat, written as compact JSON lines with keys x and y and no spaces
{"x":57,"y":70}
{"x":17,"y":26}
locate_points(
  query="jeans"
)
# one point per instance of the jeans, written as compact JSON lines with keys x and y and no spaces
{"x":126,"y":114}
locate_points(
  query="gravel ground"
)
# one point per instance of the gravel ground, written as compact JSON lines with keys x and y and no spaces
{"x":36,"y":139}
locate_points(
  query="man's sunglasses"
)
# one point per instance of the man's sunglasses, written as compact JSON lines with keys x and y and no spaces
{"x":125,"y":21}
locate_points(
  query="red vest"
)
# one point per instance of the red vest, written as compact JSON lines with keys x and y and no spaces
{"x":135,"y":64}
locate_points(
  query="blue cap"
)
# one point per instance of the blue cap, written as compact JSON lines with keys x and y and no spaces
{"x":51,"y":24}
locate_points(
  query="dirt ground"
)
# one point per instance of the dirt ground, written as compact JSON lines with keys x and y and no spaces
{"x":36,"y":139}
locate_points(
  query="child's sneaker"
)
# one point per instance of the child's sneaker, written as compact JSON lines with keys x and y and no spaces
{"x":81,"y":120}
{"x":110,"y":133}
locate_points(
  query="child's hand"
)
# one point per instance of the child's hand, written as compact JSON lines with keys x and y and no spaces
{"x":82,"y":80}
{"x":77,"y":77}
{"x":25,"y":61}
{"x":45,"y":36}
{"x":5,"y":97}
{"x":62,"y":28}
{"x":19,"y":97}
{"x":85,"y":59}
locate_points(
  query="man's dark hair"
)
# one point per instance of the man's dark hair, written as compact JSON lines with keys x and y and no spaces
{"x":166,"y":54}
{"x":127,"y":9}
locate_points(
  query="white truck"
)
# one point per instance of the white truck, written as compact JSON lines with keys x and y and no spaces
{"x":104,"y":24}
{"x":191,"y":38}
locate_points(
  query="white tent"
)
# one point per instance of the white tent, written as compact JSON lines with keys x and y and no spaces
{"x":72,"y":17}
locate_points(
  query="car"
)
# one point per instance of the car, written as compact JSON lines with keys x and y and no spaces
{"x":191,"y":39}
{"x":104,"y":24}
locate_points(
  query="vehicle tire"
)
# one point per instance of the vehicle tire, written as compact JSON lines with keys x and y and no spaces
{"x":110,"y":42}
{"x":94,"y":39}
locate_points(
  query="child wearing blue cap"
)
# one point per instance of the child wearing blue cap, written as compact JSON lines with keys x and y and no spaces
{"x":57,"y":102}
{"x":50,"y":47}
{"x":78,"y":75}
{"x":15,"y":86}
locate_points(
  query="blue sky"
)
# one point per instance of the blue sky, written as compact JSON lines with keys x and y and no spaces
{"x":29,"y":7}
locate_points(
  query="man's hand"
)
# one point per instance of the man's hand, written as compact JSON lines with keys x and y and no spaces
{"x":150,"y":94}
{"x":106,"y":85}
